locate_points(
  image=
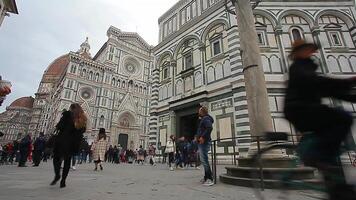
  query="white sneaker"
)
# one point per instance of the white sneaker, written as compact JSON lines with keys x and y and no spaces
{"x":171,"y":168}
{"x":198,"y":168}
{"x":208,"y":183}
{"x":73,"y":168}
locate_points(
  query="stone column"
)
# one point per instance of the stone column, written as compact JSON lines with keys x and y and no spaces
{"x":173,"y":123}
{"x":256,"y":91}
{"x":323,"y":64}
{"x":279,"y":32}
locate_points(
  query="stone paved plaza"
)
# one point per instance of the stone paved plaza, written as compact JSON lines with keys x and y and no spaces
{"x":131,"y":182}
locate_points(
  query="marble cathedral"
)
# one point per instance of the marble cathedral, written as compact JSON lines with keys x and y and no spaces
{"x":112,"y":87}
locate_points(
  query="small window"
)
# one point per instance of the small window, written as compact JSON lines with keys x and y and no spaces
{"x":261,"y":38}
{"x":335,"y":38}
{"x":165,"y":73}
{"x":188,"y":61}
{"x":73,"y":69}
{"x":67,"y":94}
{"x":296,"y":34}
{"x":216,"y":47}
{"x":103,"y":102}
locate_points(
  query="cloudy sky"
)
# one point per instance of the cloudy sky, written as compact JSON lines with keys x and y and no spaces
{"x":45,"y":30}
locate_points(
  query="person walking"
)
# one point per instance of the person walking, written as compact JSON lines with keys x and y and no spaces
{"x":23,"y":148}
{"x":70,"y":128}
{"x":140,"y":155}
{"x":152,"y":154}
{"x":204,"y":142}
{"x":170,"y":149}
{"x":115,"y":155}
{"x":99,"y":149}
{"x":38,"y":149}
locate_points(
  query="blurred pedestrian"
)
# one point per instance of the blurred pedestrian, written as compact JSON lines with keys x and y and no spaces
{"x":99,"y":149}
{"x":24,"y":147}
{"x":170,"y":149}
{"x":70,"y":128}
{"x":39,"y":147}
{"x":152,"y":154}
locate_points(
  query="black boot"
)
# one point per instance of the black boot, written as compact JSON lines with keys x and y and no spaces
{"x":101,"y":167}
{"x":63,"y":183}
{"x":55,"y":180}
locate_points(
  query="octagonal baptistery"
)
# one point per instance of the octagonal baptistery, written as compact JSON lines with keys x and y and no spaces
{"x":15,"y":120}
{"x":199,"y":61}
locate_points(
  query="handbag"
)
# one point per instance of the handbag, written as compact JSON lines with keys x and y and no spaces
{"x":52,"y":140}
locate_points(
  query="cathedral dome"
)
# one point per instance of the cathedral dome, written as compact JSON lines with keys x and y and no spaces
{"x":23,"y":102}
{"x":58,"y":67}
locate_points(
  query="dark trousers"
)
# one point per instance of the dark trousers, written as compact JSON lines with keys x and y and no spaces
{"x":23,"y":157}
{"x":37,"y":157}
{"x":57,"y":162}
{"x":170,"y":158}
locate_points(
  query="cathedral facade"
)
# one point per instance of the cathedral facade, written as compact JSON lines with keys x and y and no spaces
{"x":198,"y":62}
{"x":112,"y":87}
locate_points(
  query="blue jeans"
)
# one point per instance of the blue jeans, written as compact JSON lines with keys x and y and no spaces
{"x":203,"y":153}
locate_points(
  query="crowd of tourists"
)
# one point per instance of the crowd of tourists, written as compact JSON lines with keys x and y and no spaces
{"x":25,"y":150}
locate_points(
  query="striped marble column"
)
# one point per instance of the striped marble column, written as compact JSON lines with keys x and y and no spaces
{"x":242,"y":124}
{"x":153,"y":124}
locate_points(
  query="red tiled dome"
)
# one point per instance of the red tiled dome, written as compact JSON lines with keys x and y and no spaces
{"x":58,"y":67}
{"x":23,"y":102}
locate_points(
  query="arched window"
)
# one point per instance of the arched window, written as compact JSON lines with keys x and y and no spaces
{"x":296,"y":34}
{"x":84,"y":71}
{"x":97,"y":77}
{"x":91,"y":75}
{"x":113,"y":82}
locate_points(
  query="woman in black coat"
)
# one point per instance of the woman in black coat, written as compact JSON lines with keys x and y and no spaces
{"x":70,"y":128}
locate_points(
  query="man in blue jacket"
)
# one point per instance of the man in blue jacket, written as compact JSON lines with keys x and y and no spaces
{"x":204,"y":142}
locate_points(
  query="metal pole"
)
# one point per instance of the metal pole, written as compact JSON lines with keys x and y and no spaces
{"x":233,"y":148}
{"x":212,"y":156}
{"x":215,"y":162}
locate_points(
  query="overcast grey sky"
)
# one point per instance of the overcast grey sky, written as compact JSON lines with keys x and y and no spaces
{"x":45,"y":30}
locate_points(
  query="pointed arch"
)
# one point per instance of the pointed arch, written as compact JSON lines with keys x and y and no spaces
{"x":127,"y":118}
